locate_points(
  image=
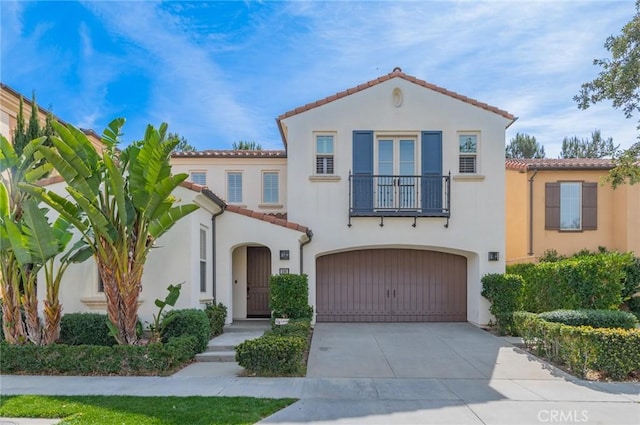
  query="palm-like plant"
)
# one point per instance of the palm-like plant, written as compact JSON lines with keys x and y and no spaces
{"x":18,"y":275}
{"x":121,"y":202}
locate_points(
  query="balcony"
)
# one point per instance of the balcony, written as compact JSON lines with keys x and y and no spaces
{"x":399,"y":196}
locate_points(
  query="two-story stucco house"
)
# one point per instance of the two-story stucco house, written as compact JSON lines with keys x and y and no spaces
{"x":402,"y":184}
{"x":390,"y":196}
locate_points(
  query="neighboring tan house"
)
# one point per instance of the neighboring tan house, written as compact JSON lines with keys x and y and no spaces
{"x":562,"y":205}
{"x":402,"y":183}
{"x":10,"y":105}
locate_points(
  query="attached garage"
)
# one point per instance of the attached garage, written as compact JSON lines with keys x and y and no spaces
{"x":391,"y":285}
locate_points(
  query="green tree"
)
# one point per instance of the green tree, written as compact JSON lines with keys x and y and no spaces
{"x":596,"y":147}
{"x":619,"y":81}
{"x":17,"y":230}
{"x":524,"y":146}
{"x":241,"y":145}
{"x":183,"y":145}
{"x":121,"y":202}
{"x":20,"y":133}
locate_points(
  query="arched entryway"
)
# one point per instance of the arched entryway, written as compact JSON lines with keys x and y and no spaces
{"x":251,"y":271}
{"x":391,"y":285}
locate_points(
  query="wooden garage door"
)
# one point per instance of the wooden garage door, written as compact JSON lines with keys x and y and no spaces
{"x":391,"y":285}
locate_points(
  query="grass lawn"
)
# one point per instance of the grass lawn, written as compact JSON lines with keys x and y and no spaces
{"x":142,"y":410}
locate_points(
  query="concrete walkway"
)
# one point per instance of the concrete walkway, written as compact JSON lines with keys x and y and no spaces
{"x":493,"y":382}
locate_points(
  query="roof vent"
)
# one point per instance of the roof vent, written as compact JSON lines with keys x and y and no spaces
{"x":397,"y":69}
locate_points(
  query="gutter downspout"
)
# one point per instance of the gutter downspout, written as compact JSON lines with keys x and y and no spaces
{"x":213,"y":251}
{"x":531,"y":212}
{"x":309,"y":234}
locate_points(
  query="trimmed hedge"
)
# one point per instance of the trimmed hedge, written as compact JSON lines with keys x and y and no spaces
{"x":505,"y":293}
{"x":85,"y":329}
{"x":289,"y":296}
{"x":593,"y":281}
{"x":614,"y":352}
{"x":189,"y":321}
{"x":125,"y":360}
{"x":279,"y":351}
{"x":217,"y":315}
{"x":593,"y":318}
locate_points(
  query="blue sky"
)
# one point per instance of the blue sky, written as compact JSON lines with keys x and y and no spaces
{"x":220,"y":72}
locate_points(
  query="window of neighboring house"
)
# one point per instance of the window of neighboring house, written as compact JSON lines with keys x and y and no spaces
{"x":324,"y":154}
{"x":203,"y":260}
{"x":571,"y":206}
{"x":468,"y":148}
{"x":234,"y":187}
{"x":270,"y":187}
{"x":199,"y":177}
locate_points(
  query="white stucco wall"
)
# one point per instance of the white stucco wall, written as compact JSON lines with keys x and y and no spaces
{"x":477,"y":204}
{"x":234,"y":232}
{"x":216,"y":170}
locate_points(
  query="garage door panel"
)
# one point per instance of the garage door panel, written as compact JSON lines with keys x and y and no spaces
{"x":389,"y":285}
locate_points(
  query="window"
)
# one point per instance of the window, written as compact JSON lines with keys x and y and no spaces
{"x":468,"y":153}
{"x":397,"y":186}
{"x":324,"y":154}
{"x":198,"y":177}
{"x":571,"y":206}
{"x":234,"y":187}
{"x":270,"y":187}
{"x":570,"y":214}
{"x":203,"y":260}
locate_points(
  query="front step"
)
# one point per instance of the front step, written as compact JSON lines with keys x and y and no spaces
{"x":216,"y":356}
{"x":222,"y":348}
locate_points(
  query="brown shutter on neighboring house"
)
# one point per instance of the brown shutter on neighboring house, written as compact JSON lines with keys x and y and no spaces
{"x":589,"y":206}
{"x":552,"y":206}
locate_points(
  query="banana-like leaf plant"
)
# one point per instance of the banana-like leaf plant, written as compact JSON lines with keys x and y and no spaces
{"x":121,"y":202}
{"x":17,"y":283}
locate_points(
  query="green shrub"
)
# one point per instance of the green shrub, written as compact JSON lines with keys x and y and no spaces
{"x":124,"y":360}
{"x":272,"y":354}
{"x":593,"y":318}
{"x":587,"y":281}
{"x":634,"y":306}
{"x":504,"y":292}
{"x":85,"y":329}
{"x":295,"y":327}
{"x":551,"y":256}
{"x":631,"y":279}
{"x":193,"y":322}
{"x":614,"y":352}
{"x":289,"y":296}
{"x":217,"y":316}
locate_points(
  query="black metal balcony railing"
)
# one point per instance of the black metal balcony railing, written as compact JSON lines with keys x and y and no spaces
{"x":399,"y":196}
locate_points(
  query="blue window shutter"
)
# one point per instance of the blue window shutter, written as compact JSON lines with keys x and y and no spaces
{"x":362,"y":170}
{"x":431,"y":158}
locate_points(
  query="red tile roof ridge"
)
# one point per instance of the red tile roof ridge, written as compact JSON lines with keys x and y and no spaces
{"x":269,"y":218}
{"x":230,"y":153}
{"x":559,"y":164}
{"x":396,"y":73}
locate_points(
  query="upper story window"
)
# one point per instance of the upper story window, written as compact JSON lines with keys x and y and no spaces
{"x":468,"y":149}
{"x":234,"y":187}
{"x":571,"y":206}
{"x":270,"y":187}
{"x":198,"y":177}
{"x":324,"y":153}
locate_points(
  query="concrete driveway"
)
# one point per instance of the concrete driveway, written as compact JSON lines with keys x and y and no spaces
{"x":418,"y":350}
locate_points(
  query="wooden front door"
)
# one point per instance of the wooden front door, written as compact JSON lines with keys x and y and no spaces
{"x":258,"y":272}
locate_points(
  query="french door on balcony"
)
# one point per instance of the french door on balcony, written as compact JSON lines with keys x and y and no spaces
{"x":396,"y":186}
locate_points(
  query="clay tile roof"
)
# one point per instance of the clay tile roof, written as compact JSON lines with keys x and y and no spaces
{"x":559,"y":164}
{"x":231,"y":154}
{"x":273,"y":219}
{"x":396,"y":73}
